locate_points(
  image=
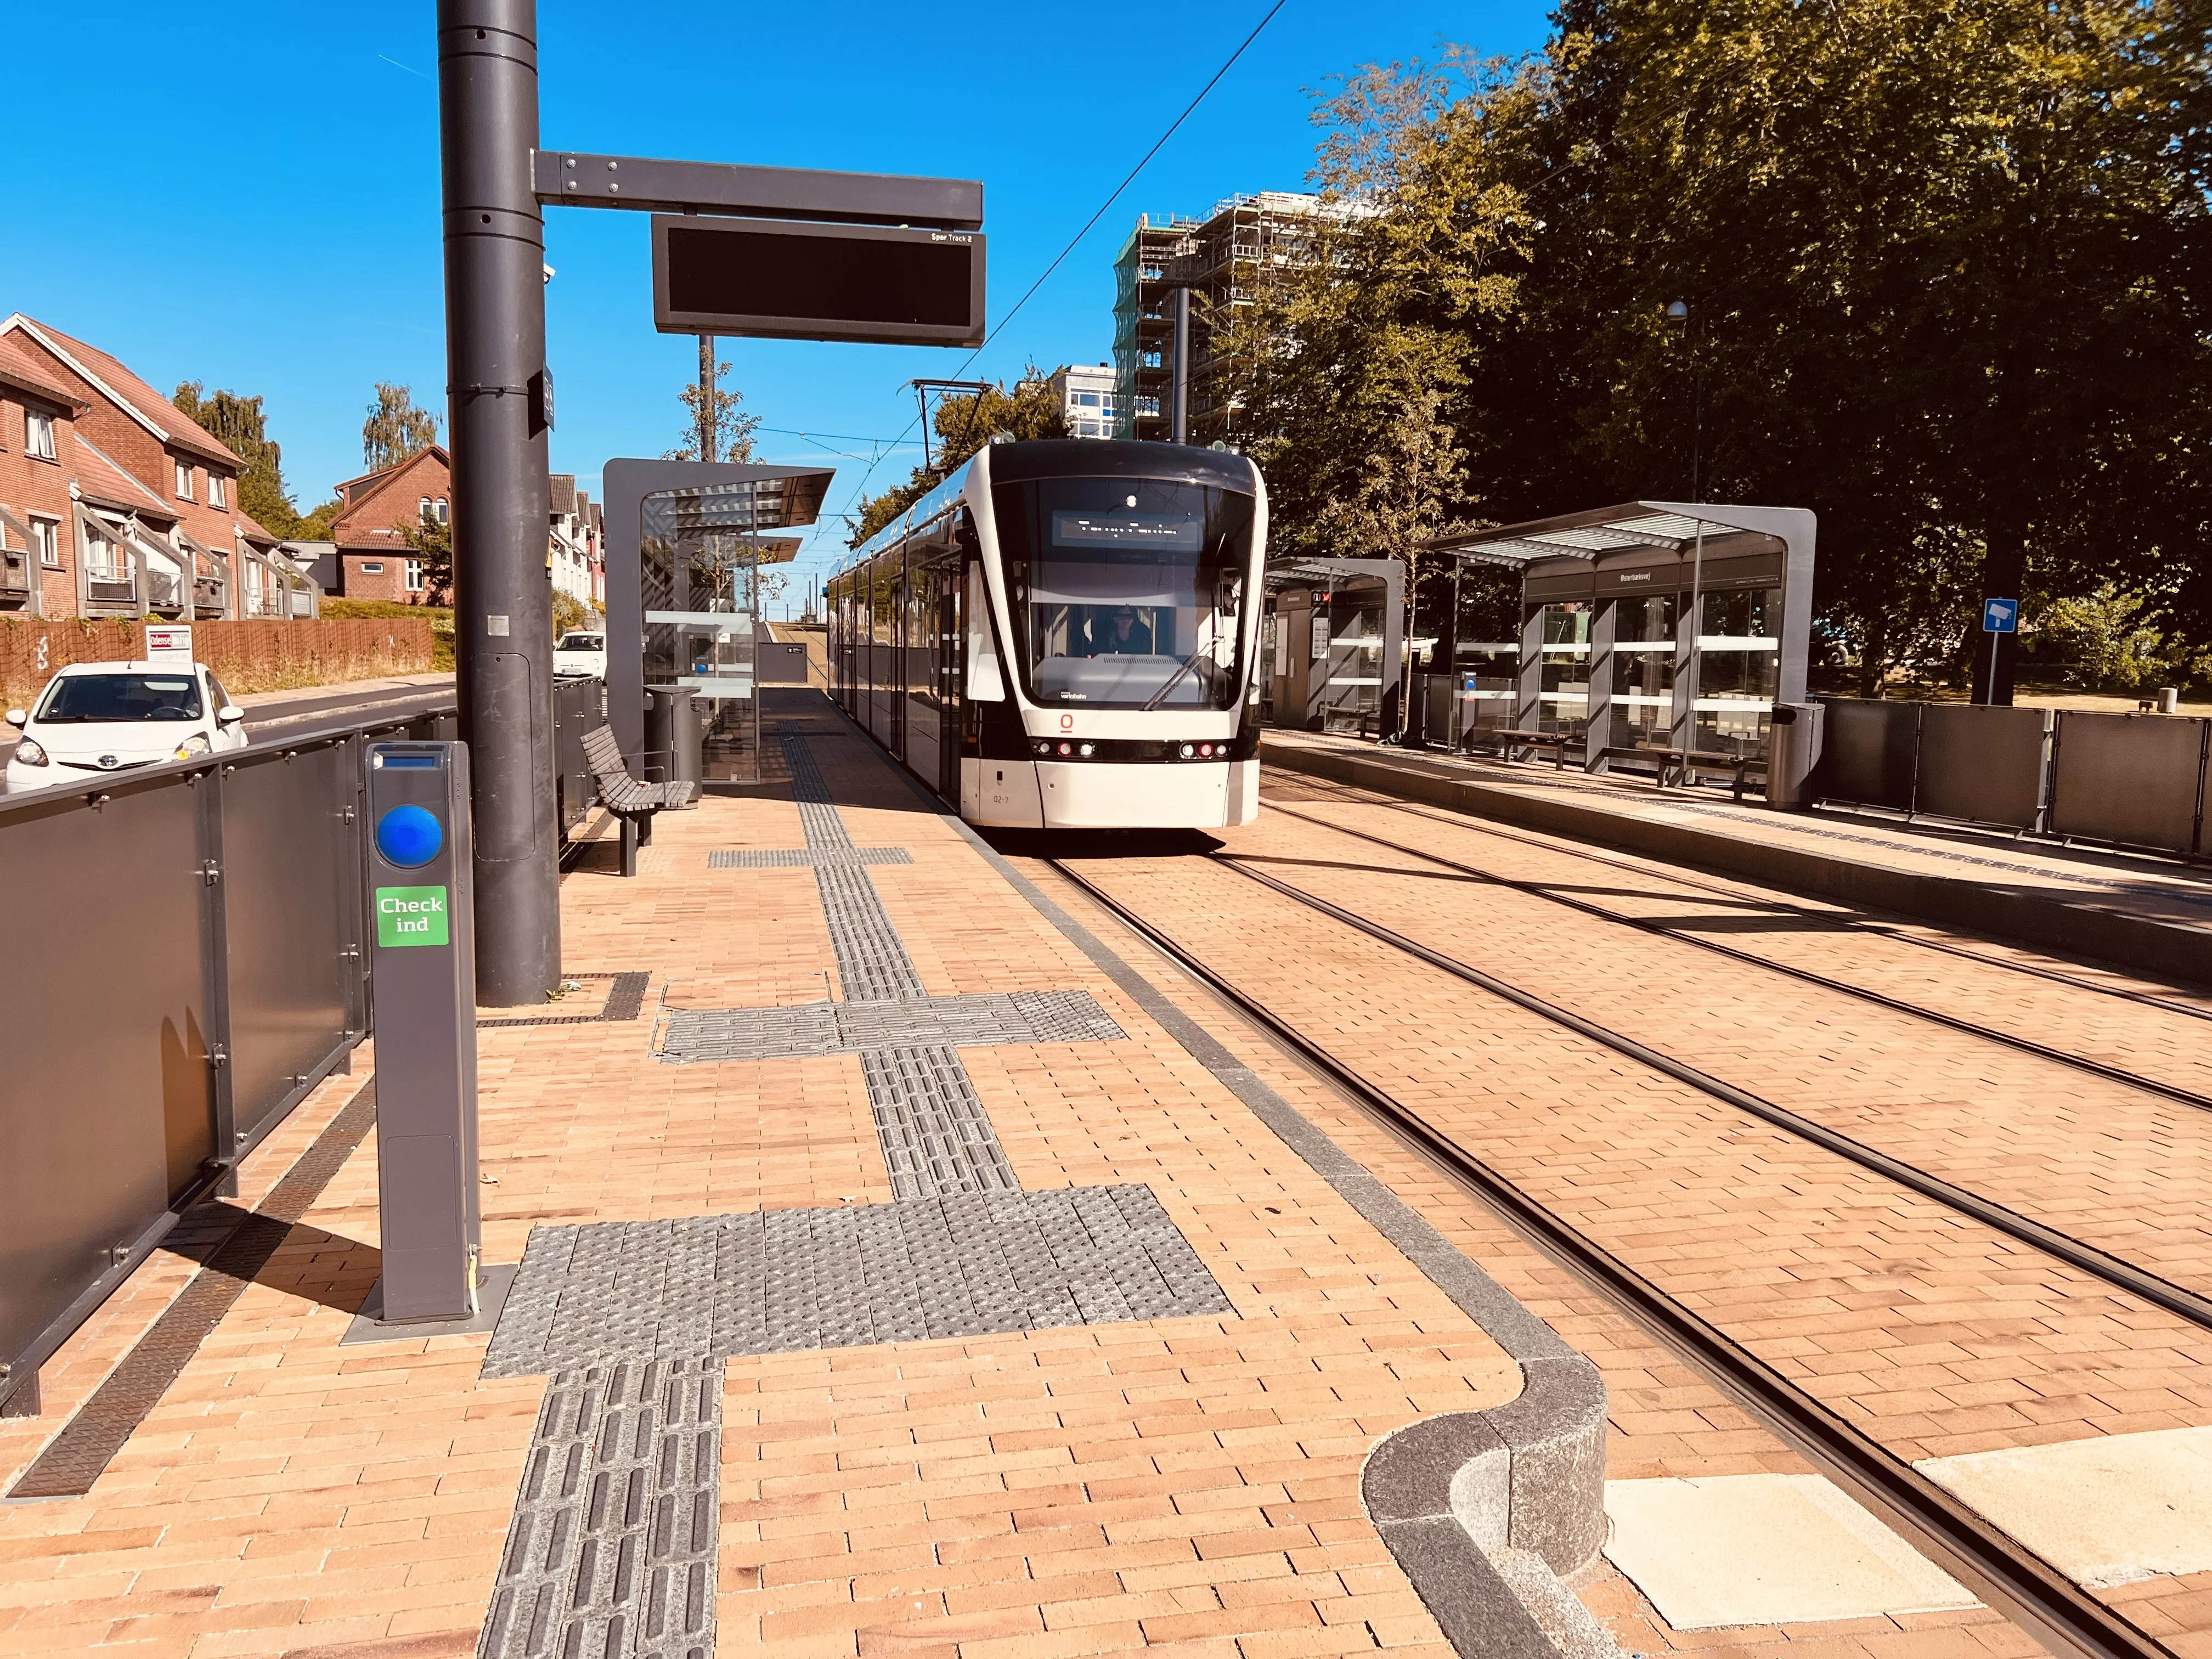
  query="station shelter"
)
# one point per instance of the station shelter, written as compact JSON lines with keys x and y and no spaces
{"x":1647,"y":627}
{"x":1332,"y":645}
{"x":687,"y":542}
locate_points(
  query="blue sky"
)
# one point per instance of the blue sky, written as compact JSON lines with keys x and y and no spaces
{"x":248,"y":193}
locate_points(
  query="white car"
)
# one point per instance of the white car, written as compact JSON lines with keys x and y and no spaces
{"x":96,"y":718}
{"x":577,"y":654}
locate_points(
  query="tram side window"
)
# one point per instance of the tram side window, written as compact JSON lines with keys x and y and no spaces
{"x":1127,"y":593}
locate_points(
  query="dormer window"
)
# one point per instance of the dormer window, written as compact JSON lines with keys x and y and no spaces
{"x":215,"y":496}
{"x":184,"y":480}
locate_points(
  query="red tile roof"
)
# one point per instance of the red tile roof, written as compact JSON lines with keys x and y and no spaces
{"x":101,"y":479}
{"x":171,"y":424}
{"x":18,"y":369}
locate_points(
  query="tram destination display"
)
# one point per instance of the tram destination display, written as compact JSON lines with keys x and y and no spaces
{"x":773,"y":279}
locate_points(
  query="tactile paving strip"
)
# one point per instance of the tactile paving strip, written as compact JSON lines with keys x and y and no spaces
{"x":788,"y":858}
{"x":983,"y":1021}
{"x":936,"y":1136}
{"x":611,"y":1554}
{"x":781,"y":1281}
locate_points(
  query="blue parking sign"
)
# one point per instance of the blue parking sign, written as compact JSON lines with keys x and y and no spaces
{"x":2000,"y":615}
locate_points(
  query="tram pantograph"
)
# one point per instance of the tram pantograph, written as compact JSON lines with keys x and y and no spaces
{"x":1064,"y":635}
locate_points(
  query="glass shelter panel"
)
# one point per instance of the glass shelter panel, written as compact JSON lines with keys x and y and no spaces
{"x":1563,"y":697}
{"x":1644,"y":647}
{"x":699,"y":583}
{"x":1739,"y":670}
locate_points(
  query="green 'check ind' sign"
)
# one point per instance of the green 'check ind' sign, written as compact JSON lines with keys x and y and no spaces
{"x":410,"y":916}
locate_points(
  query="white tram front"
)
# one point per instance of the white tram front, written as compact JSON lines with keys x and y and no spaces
{"x":1064,"y":635}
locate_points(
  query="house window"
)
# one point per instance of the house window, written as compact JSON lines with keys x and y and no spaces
{"x":414,"y":575}
{"x":100,"y":555}
{"x":184,"y":480}
{"x":372,"y":567}
{"x":441,"y":509}
{"x":215,"y":490}
{"x":46,"y":542}
{"x":38,"y":434}
{"x":423,"y":509}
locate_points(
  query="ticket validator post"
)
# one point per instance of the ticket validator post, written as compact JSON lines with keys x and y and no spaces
{"x":422,"y":976}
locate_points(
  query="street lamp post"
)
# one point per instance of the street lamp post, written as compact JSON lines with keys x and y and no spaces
{"x":1678,"y":313}
{"x":499,"y":412}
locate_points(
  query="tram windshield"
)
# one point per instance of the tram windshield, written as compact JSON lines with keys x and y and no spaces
{"x":1130,"y":593}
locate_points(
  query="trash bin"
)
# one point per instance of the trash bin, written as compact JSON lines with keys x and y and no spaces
{"x":673,"y":738}
{"x":1793,"y":749}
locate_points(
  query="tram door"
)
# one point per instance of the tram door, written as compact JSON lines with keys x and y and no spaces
{"x":951,"y":676}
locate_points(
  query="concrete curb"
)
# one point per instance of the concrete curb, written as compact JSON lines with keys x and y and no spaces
{"x":1974,"y":906}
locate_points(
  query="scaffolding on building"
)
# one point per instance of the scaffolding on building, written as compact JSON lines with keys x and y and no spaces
{"x":1219,"y":258}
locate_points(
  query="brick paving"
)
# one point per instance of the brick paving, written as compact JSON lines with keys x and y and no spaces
{"x":1070,"y":1490}
{"x":1932,"y":1333}
{"x":2115,"y":1167}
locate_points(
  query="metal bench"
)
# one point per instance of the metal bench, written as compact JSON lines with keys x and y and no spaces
{"x":1681,"y":767}
{"x":632,"y":802}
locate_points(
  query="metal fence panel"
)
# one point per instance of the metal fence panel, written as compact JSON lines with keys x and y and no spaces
{"x":109,"y":1107}
{"x":2133,"y":778}
{"x":1867,"y":752}
{"x":1981,"y":765}
{"x":291,"y":855}
{"x":579,"y":705}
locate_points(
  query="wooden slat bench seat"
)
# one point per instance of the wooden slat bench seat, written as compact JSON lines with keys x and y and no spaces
{"x":632,"y":802}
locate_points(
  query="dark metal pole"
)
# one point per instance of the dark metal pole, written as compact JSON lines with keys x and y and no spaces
{"x":1179,"y":388}
{"x":706,"y":421}
{"x":502,"y":597}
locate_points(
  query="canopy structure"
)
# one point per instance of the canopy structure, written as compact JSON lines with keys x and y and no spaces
{"x":661,"y":501}
{"x":1650,"y":624}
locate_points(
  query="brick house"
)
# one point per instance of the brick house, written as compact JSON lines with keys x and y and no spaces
{"x":371,"y":559}
{"x":154,"y":524}
{"x":574,"y":558}
{"x":38,"y":506}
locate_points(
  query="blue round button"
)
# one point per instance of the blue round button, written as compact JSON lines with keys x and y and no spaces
{"x":409,"y":836}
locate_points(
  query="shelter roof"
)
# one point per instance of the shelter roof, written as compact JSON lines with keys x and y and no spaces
{"x":1666,"y":526}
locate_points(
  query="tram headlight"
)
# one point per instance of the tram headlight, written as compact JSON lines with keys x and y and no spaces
{"x":1205,"y":751}
{"x":1042,"y":747}
{"x":1067,"y":749}
{"x":1086,"y":749}
{"x":1189,"y":750}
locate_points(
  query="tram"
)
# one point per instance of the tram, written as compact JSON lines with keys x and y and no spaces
{"x":1064,"y":635}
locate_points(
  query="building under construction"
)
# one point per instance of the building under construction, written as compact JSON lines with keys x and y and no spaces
{"x":1219,"y":258}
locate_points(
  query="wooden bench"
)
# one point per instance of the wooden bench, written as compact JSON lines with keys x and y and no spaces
{"x":632,"y":802}
{"x":1506,"y":741}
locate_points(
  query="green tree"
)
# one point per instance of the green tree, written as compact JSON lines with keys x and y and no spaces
{"x":395,"y":427}
{"x":238,"y":424}
{"x":433,"y":543}
{"x":1946,"y":263}
{"x":964,"y":424}
{"x":732,"y":430}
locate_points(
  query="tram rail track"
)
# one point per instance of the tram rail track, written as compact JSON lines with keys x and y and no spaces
{"x":2000,"y":1568}
{"x":1824,"y":919}
{"x":2110,"y":1074}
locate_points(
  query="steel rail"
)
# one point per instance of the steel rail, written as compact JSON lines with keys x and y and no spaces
{"x":2118,"y":1074}
{"x":2000,"y":1570}
{"x":2115,"y":1271}
{"x":1341,"y":792}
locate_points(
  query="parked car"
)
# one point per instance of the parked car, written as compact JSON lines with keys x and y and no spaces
{"x":95,"y":718}
{"x":580,"y":654}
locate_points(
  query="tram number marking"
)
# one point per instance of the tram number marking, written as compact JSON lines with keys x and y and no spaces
{"x":1067,"y":722}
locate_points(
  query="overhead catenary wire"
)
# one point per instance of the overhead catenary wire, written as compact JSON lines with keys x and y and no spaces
{"x":1076,"y":240}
